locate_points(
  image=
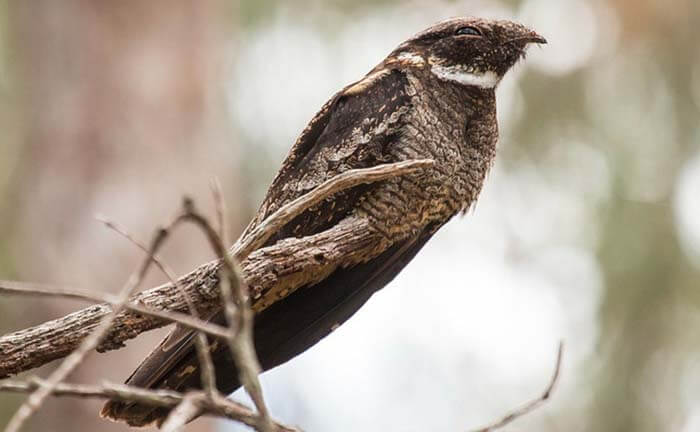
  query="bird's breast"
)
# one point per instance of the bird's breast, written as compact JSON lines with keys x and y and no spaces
{"x":458,"y":132}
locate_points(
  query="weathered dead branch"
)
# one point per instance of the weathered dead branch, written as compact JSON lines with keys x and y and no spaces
{"x":225,"y":408}
{"x":277,"y":266}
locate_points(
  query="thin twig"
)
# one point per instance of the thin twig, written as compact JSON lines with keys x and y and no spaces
{"x":165,"y":269}
{"x":233,"y":290}
{"x":23,"y":288}
{"x":76,"y":357}
{"x":181,"y":414}
{"x":207,"y":371}
{"x":109,"y":390}
{"x":533,"y":404}
{"x":47,"y":290}
{"x":22,"y":354}
{"x":264,"y":270}
{"x":184,"y":320}
{"x":164,"y":398}
{"x":236,"y":305}
{"x":220,"y":206}
{"x":346,"y":180}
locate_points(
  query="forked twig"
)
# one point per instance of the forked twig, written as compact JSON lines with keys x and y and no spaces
{"x":207,"y":371}
{"x":238,"y":314}
{"x":237,"y":311}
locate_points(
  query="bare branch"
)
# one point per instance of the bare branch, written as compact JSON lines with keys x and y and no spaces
{"x":22,"y":288}
{"x":220,"y":206}
{"x":181,"y":414}
{"x":343,"y":181}
{"x":269,"y":268}
{"x":165,"y":398}
{"x":284,"y":265}
{"x":167,"y":271}
{"x":236,"y":305}
{"x":208,"y":374}
{"x":197,"y":289}
{"x":46,"y":290}
{"x":232,"y":291}
{"x":107,"y":390}
{"x":533,"y":404}
{"x":184,"y":320}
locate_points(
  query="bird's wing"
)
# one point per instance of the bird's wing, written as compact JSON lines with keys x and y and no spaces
{"x":352,"y":130}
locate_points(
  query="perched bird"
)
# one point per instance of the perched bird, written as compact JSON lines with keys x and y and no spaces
{"x":432,"y":97}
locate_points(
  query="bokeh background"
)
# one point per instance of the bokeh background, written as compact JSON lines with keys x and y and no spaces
{"x":587,"y":231}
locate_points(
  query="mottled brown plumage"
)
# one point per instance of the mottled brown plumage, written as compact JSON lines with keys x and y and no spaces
{"x":433,"y":97}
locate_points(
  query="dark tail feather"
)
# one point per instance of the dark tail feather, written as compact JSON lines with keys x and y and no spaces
{"x":156,"y":371}
{"x":134,"y":414}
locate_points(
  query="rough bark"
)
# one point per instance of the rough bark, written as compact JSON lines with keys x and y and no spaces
{"x":277,"y":269}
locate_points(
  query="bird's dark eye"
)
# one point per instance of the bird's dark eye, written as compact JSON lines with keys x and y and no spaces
{"x":471,"y":31}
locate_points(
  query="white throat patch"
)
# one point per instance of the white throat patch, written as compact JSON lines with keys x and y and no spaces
{"x":459,"y":74}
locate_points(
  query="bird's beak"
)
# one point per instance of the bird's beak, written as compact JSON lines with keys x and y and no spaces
{"x":533,"y":37}
{"x":526,"y":36}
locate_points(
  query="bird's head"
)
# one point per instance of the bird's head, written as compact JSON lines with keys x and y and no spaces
{"x":470,"y":51}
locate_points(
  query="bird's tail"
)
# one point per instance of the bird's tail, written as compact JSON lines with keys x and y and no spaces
{"x":134,"y":414}
{"x":165,"y":368}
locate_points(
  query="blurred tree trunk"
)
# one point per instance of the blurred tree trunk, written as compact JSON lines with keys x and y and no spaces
{"x":116,"y":96}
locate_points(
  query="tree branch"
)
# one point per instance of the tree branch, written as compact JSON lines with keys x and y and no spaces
{"x":277,"y":270}
{"x":533,"y":404}
{"x":164,"y":398}
{"x":238,"y":313}
{"x":181,"y":414}
{"x":168,"y":316}
{"x":208,"y":374}
{"x":343,"y":181}
{"x":281,"y":267}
